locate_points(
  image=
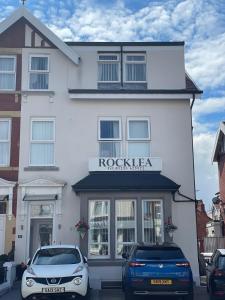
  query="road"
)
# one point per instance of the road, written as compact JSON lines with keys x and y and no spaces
{"x":14,"y":294}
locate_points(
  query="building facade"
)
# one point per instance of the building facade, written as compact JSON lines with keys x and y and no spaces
{"x":10,"y":105}
{"x":106,"y":140}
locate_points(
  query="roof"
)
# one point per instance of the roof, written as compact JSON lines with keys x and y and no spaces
{"x":179,"y":43}
{"x":219,"y":139}
{"x":125,"y":181}
{"x":22,"y":12}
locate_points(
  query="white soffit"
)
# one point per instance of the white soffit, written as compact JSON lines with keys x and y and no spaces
{"x":23,"y":12}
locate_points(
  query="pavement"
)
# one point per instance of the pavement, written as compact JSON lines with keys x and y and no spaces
{"x":14,"y":294}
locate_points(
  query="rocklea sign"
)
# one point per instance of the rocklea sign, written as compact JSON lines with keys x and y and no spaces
{"x":125,"y":164}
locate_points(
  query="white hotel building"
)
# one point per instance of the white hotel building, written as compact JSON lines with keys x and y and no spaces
{"x":106,"y":138}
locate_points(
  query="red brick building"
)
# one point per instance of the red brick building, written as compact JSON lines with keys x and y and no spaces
{"x":219,"y":157}
{"x":10,"y":107}
{"x":202,"y":220}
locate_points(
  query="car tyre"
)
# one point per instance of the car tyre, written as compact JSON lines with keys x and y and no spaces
{"x":129,"y":295}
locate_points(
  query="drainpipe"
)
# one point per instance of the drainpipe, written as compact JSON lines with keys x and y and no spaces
{"x":188,"y":199}
{"x":121,"y":66}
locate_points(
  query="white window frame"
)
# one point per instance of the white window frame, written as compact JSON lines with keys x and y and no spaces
{"x":109,"y":220}
{"x":38,"y":71}
{"x":134,"y":62}
{"x":8,"y":140}
{"x":42,"y":141}
{"x":162,"y":216}
{"x":116,"y":227}
{"x":138,"y":119}
{"x":109,"y":119}
{"x":108,"y":62}
{"x":10,"y":72}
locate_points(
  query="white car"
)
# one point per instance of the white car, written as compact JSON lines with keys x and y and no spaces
{"x":56,"y":270}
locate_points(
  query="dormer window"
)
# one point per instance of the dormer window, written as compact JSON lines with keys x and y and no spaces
{"x":135,"y":68}
{"x":39,"y":72}
{"x":108,"y":68}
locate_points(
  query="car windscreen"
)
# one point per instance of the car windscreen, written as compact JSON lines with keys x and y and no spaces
{"x":57,"y":256}
{"x":221,"y":262}
{"x":145,"y":253}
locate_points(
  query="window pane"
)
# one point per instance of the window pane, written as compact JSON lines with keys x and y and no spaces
{"x":99,"y":228}
{"x":42,"y":154}
{"x":108,"y":57}
{"x":109,"y":130}
{"x":136,"y":72}
{"x":138,"y":149}
{"x":7,"y":81}
{"x":125,"y":225}
{"x":39,"y":63}
{"x":39,"y":81}
{"x":42,"y":130}
{"x":138,"y":130}
{"x":135,"y":58}
{"x":4,"y":154}
{"x":152,"y":221}
{"x":108,"y":72}
{"x":7,"y":64}
{"x":109,"y":149}
{"x":4,"y":130}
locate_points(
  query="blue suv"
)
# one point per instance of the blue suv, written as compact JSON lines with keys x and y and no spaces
{"x":157,"y":270}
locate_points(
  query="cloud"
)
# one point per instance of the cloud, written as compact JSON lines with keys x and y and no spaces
{"x":208,"y":106}
{"x":206,"y":173}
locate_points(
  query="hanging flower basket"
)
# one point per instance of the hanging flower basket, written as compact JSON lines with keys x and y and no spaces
{"x":82,"y":227}
{"x":169,"y":226}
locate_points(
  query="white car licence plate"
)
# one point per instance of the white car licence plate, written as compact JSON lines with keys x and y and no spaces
{"x":53,"y":290}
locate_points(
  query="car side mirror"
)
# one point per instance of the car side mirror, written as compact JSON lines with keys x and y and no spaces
{"x":125,"y":255}
{"x":28,"y":261}
{"x":85,"y":259}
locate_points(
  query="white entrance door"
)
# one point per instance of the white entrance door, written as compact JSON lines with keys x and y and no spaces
{"x":40,"y":234}
{"x":2,"y":234}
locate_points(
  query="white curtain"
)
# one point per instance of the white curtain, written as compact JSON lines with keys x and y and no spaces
{"x":108,"y":71}
{"x":42,"y":145}
{"x":7,"y":73}
{"x":39,"y":80}
{"x":138,"y":129}
{"x":4,"y":143}
{"x":39,"y":63}
{"x":152,"y":221}
{"x":135,"y":72}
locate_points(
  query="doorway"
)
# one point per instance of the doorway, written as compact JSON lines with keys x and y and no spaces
{"x":40,"y":234}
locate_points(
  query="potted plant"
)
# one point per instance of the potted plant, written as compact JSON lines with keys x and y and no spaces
{"x":82,"y":227}
{"x":170,"y":227}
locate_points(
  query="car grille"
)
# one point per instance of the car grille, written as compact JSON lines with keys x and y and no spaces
{"x":53,"y":280}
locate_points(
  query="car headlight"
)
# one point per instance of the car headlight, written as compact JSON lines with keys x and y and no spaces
{"x":29,"y":282}
{"x":78,"y":269}
{"x":77,"y":280}
{"x":31,"y":271}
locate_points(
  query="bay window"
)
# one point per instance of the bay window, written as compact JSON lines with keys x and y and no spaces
{"x":135,"y":68}
{"x":7,"y":72}
{"x":42,"y":142}
{"x":108,"y":68}
{"x":39,"y":72}
{"x":99,"y":233}
{"x":152,"y":221}
{"x":125,"y":226}
{"x":5,"y":138}
{"x":109,"y":137}
{"x":138,"y":135}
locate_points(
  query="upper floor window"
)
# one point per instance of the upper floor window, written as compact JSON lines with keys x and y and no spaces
{"x":5,"y":138}
{"x":108,"y":68}
{"x":138,"y":135}
{"x":135,"y":68}
{"x":39,"y":72}
{"x":7,"y":72}
{"x":109,"y":137}
{"x":42,"y":142}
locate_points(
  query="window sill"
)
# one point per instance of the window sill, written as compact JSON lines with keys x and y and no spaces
{"x":38,"y":92}
{"x":8,"y":168}
{"x":41,"y":168}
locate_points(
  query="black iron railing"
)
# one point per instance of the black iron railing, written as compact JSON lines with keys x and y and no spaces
{"x":3,"y":274}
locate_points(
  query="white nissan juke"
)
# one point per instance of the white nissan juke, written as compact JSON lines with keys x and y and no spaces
{"x":56,"y":270}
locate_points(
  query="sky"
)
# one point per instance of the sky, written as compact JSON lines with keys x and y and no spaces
{"x":200,"y":23}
